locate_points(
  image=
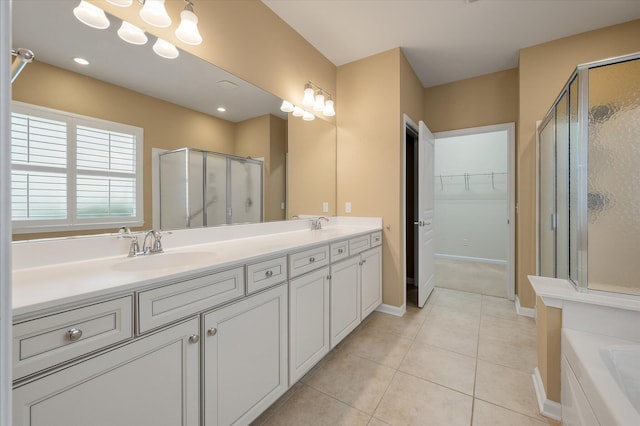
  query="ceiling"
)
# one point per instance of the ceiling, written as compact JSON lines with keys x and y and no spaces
{"x":445,"y":40}
{"x":51,"y":31}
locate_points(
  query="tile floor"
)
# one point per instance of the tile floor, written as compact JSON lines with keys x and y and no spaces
{"x":464,"y":359}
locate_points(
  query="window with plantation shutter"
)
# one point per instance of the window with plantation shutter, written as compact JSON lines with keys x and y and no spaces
{"x":73,"y":172}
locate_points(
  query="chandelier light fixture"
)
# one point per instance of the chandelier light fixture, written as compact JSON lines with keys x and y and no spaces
{"x":314,"y":97}
{"x":153,"y":12}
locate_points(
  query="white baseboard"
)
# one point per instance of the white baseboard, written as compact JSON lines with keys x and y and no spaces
{"x":470,"y":259}
{"x":525,"y":312}
{"x":548,"y":408}
{"x":392,"y":310}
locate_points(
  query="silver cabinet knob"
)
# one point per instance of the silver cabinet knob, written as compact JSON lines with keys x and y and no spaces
{"x":340,"y":251}
{"x":194,"y":338}
{"x":268,"y":274}
{"x":312,"y":259}
{"x":74,"y":334}
{"x":212,"y":332}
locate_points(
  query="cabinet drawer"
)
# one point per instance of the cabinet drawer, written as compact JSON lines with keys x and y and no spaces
{"x":265,"y":274}
{"x":358,"y":244}
{"x":44,"y":342}
{"x":163,"y":305}
{"x":376,"y":239}
{"x":339,"y":250}
{"x":308,"y":260}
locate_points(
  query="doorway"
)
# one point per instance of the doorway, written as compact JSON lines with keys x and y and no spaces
{"x":474,"y":209}
{"x":411,"y":214}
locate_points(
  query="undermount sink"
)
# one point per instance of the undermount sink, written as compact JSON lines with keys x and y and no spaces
{"x":161,"y":261}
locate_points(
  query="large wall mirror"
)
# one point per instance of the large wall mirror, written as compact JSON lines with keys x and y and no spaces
{"x":175,"y":102}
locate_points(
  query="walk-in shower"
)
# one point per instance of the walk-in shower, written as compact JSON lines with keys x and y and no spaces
{"x":589,"y":179}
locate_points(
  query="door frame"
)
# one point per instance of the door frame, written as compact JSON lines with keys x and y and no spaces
{"x":406,"y":122}
{"x":511,"y":186}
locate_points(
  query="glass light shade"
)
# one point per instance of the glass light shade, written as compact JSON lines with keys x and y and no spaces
{"x":298,"y":112}
{"x":318,"y":105}
{"x":286,"y":106}
{"x":328,"y":108}
{"x":187,"y":31}
{"x":165,"y":49}
{"x":121,"y":3}
{"x":132,"y":34}
{"x":308,"y":116}
{"x":154,"y":13}
{"x":91,"y":15}
{"x":308,"y":99}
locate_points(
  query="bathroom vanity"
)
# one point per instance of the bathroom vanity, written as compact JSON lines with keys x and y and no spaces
{"x":211,"y":332}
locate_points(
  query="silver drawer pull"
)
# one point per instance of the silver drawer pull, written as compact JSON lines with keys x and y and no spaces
{"x":312,"y":259}
{"x":268,"y":274}
{"x":340,"y":251}
{"x":194,"y":338}
{"x":74,"y":334}
{"x":212,"y":332}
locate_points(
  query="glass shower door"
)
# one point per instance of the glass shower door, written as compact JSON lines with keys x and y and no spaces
{"x":245,"y":197}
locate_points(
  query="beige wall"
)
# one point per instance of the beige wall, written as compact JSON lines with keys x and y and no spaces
{"x":549,"y":325}
{"x":369,"y":154}
{"x":166,"y":126}
{"x":247,"y":39}
{"x":543,"y":71}
{"x":474,"y":102}
{"x":312,"y":166}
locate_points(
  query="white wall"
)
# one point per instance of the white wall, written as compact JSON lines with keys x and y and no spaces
{"x":471,"y":213}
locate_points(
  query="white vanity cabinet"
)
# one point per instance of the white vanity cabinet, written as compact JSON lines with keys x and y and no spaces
{"x":245,"y":358}
{"x":345,"y":298}
{"x":151,"y":381}
{"x":371,"y":279}
{"x":308,"y":322}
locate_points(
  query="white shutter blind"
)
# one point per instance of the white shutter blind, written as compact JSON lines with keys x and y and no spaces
{"x":73,"y":172}
{"x":106,"y":181}
{"x":38,"y":175}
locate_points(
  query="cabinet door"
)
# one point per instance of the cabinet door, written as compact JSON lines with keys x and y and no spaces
{"x":245,"y":358}
{"x":152,"y":381}
{"x":371,"y":280}
{"x":308,"y":322}
{"x":345,"y":298}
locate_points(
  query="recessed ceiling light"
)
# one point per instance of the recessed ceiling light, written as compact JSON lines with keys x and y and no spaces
{"x":221,"y":109}
{"x":81,"y":61}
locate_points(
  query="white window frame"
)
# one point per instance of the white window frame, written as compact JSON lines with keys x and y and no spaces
{"x":71,"y":223}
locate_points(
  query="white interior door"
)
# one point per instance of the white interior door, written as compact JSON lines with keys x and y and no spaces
{"x":426,"y":259}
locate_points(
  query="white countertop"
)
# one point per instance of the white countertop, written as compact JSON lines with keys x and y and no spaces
{"x":47,"y":286}
{"x":554,"y":291}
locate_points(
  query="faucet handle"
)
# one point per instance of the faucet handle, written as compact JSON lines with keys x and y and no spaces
{"x":134,"y":248}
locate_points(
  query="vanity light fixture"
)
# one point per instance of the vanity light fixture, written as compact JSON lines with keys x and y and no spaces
{"x":287,"y":106}
{"x":132,"y":34}
{"x":308,"y":116}
{"x":328,"y":108}
{"x":154,"y":13}
{"x":91,"y":15}
{"x":307,"y":99}
{"x":187,"y":31}
{"x":297,"y":111}
{"x":165,"y":49}
{"x":318,"y":105}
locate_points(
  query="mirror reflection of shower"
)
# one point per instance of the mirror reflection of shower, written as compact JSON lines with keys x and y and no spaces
{"x":203,"y":188}
{"x":22,"y":58}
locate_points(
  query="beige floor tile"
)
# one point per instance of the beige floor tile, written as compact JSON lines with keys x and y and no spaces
{"x":447,"y":336}
{"x":519,"y":353}
{"x":276,"y":405}
{"x":413,"y":401}
{"x":309,"y":407}
{"x":446,"y":316}
{"x":475,"y":277}
{"x":499,"y":307}
{"x":406,"y":326}
{"x":384,"y":348}
{"x":443,"y":367}
{"x":485,"y":414}
{"x":458,"y":300}
{"x":506,"y":387}
{"x":353,"y":380}
{"x":377,"y":422}
{"x":522,"y":328}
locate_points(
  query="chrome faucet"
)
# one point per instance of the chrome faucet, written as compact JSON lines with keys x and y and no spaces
{"x":154,"y":246}
{"x":316,"y":223}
